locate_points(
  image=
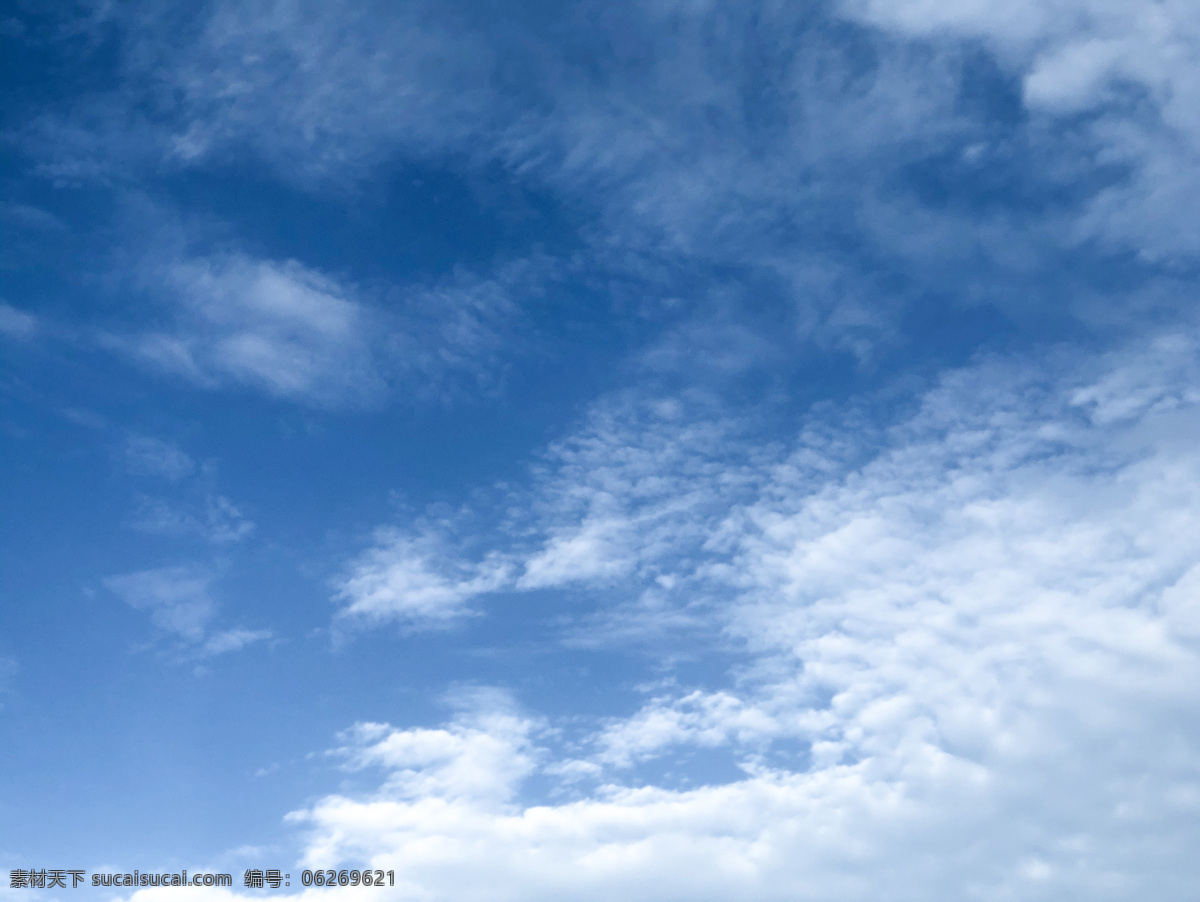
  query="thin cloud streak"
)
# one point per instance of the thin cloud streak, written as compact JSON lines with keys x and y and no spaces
{"x":819,"y":184}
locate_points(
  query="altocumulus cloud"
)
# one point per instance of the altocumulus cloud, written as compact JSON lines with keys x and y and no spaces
{"x":971,"y":666}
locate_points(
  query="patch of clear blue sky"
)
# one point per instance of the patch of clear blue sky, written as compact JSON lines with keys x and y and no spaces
{"x":114,"y":749}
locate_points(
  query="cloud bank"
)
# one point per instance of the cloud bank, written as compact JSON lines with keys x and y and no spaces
{"x":969,"y":665}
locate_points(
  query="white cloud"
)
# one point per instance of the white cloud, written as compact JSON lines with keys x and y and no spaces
{"x":670,"y":147}
{"x":772,"y":837}
{"x":176,"y":597}
{"x":225,"y":522}
{"x":199,"y":893}
{"x":450,"y":338}
{"x":636,"y":484}
{"x":17,"y":324}
{"x":412,"y":578}
{"x":852,"y":164}
{"x":26,"y":217}
{"x":482,"y":756}
{"x":289,"y":331}
{"x":749,"y":155}
{"x":159,"y":517}
{"x":973,"y":666}
{"x":212,"y":517}
{"x":232,"y":640}
{"x":1166,"y":378}
{"x":1135,"y":66}
{"x":180,"y":603}
{"x":147,"y":456}
{"x":278,"y":327}
{"x":699,"y":718}
{"x":596,"y":549}
{"x":384,"y":64}
{"x":633,"y":487}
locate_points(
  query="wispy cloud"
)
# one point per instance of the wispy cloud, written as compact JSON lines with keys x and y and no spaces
{"x":232,"y":640}
{"x":1122,"y":76}
{"x":17,"y":324}
{"x":196,"y":509}
{"x":292,"y":332}
{"x":834,"y":158}
{"x":411,"y":578}
{"x":149,"y":456}
{"x":277,"y":327}
{"x":180,"y":603}
{"x":176,"y":597}
{"x":218,"y":519}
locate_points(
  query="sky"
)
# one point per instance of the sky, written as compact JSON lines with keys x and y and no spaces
{"x":575,"y":451}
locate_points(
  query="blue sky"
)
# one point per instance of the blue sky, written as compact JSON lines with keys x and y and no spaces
{"x":568,"y":451}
